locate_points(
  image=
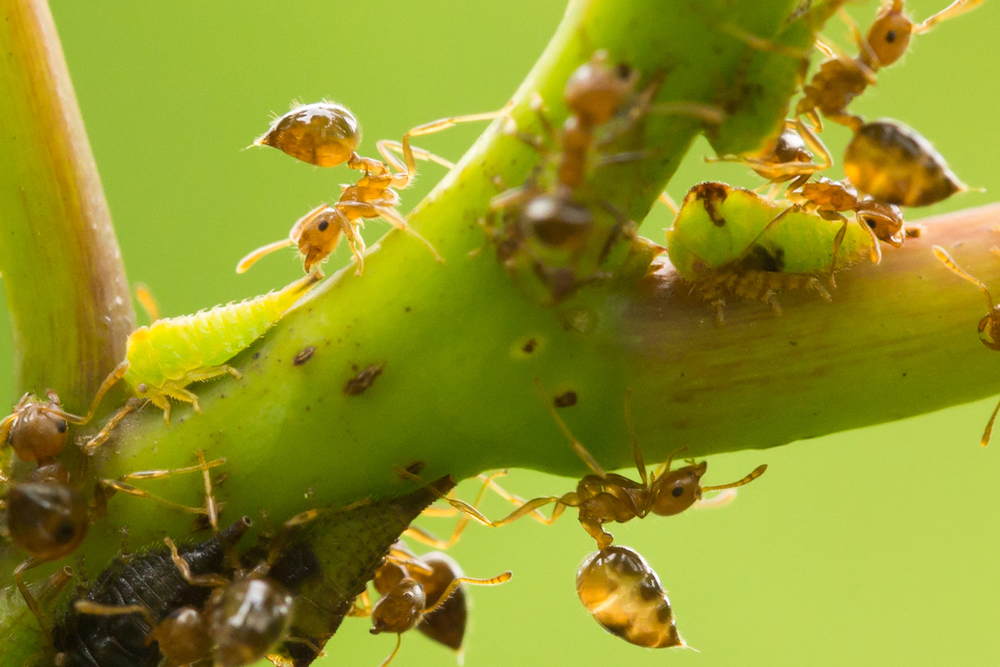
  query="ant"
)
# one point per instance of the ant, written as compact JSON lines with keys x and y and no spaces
{"x":558,"y":218}
{"x":327,"y":135}
{"x":245,"y":616}
{"x":624,"y":595}
{"x":37,"y":430}
{"x":604,"y":497}
{"x":828,"y":199}
{"x":989,"y":326}
{"x":840,"y":79}
{"x":789,"y":157}
{"x":415,"y":590}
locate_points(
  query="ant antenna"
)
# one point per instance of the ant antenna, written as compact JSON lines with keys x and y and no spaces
{"x":946,"y":259}
{"x":758,"y":471}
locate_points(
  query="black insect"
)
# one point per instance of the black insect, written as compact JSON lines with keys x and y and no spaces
{"x":149,"y":580}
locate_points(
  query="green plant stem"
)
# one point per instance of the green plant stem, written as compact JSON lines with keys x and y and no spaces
{"x":70,"y":303}
{"x":461,"y":349}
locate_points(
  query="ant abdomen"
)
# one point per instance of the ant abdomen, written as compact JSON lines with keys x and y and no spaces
{"x":624,"y":595}
{"x":324,"y":134}
{"x":895,"y":164}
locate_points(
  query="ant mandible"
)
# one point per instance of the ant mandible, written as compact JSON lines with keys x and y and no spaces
{"x":327,"y":135}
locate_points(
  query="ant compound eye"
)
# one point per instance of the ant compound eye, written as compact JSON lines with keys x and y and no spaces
{"x":623,"y":71}
{"x":61,"y":426}
{"x":677,"y":491}
{"x":323,"y":226}
{"x":890,"y":36}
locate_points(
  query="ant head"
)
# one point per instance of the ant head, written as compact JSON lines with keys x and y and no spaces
{"x":46,"y":519}
{"x":323,"y":134}
{"x":885,"y":220}
{"x":248,"y":619}
{"x":676,"y":491}
{"x":989,"y":329}
{"x":318,"y":233}
{"x":38,"y":433}
{"x":889,"y":36}
{"x":400,"y":609}
{"x":596,"y":90}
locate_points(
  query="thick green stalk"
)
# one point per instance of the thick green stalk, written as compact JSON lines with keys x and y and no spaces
{"x":460,"y":347}
{"x":70,"y":304}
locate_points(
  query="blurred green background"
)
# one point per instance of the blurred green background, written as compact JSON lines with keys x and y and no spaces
{"x":870,"y":547}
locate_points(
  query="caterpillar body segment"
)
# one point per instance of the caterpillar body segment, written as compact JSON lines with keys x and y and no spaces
{"x":162,"y":359}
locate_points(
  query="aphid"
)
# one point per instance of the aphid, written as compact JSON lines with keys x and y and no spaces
{"x":623,"y":593}
{"x":414,"y":590}
{"x":827,"y":198}
{"x":161,"y":360}
{"x":559,"y":219}
{"x":727,"y":239}
{"x":840,"y":79}
{"x":37,"y":430}
{"x":327,"y":135}
{"x":604,"y":497}
{"x":111,"y":625}
{"x":989,"y":326}
{"x":896,"y":165}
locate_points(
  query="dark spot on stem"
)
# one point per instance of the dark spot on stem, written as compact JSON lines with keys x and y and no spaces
{"x":304,"y":355}
{"x":362,"y":380}
{"x":416,"y":467}
{"x":256,"y":355}
{"x":529,"y":347}
{"x":566,"y":400}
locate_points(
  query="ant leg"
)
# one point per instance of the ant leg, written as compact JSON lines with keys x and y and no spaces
{"x":876,"y":248}
{"x":458,"y":581}
{"x":946,"y":259}
{"x":363,"y":610}
{"x":98,"y":609}
{"x":393,"y":218}
{"x":636,"y":451}
{"x":837,"y":241}
{"x":207,"y":580}
{"x":406,"y":176}
{"x":426,"y":538}
{"x":203,"y":466}
{"x":988,"y":433}
{"x":29,"y":599}
{"x":668,"y":201}
{"x":581,"y":451}
{"x":534,"y":514}
{"x":954,"y":9}
{"x":761,"y":44}
{"x":665,"y":466}
{"x":109,"y":427}
{"x":148,"y":302}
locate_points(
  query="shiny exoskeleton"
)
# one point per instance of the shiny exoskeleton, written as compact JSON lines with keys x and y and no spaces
{"x":989,"y":325}
{"x":841,"y":79}
{"x":896,"y":165}
{"x":827,"y":198}
{"x":791,"y":156}
{"x":37,"y":430}
{"x":624,"y":595}
{"x":604,"y":497}
{"x":423,"y":592}
{"x":327,"y":135}
{"x":151,"y":581}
